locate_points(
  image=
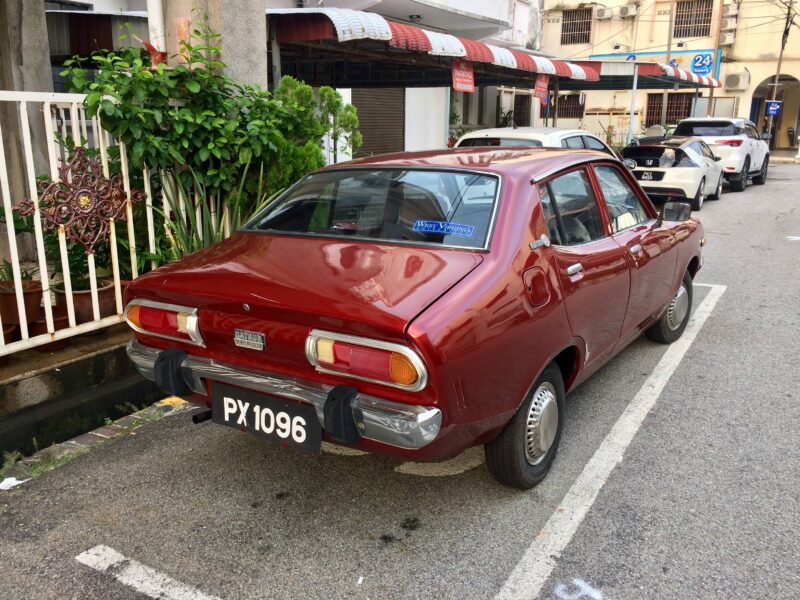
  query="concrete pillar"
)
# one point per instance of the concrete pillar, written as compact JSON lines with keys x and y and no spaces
{"x":242,"y":25}
{"x":24,"y":66}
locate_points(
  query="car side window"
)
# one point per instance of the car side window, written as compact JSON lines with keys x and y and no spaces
{"x":622,"y":204}
{"x":594,"y":144}
{"x":576,"y":208}
{"x":706,"y":150}
{"x":550,"y":218}
{"x":752,"y":132}
{"x":572,"y":142}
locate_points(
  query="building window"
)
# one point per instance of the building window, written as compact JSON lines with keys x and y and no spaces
{"x":576,"y":26}
{"x":679,"y":106}
{"x":692,"y":18}
{"x":522,"y":110}
{"x":570,"y":107}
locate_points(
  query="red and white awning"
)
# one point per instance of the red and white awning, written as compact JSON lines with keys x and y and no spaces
{"x":677,"y":73}
{"x":354,"y":24}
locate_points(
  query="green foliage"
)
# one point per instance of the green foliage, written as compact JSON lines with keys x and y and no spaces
{"x":7,"y":272}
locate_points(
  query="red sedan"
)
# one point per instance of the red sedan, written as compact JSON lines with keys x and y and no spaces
{"x":419,"y":304}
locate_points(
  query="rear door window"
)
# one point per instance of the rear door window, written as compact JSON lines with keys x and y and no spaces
{"x":572,"y":142}
{"x":575,"y":208}
{"x":592,"y":143}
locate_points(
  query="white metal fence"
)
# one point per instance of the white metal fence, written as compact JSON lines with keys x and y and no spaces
{"x":51,"y":119}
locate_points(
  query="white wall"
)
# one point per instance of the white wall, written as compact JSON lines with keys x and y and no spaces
{"x":426,"y":118}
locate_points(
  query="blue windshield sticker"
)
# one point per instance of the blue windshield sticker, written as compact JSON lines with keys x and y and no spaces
{"x":444,"y":227}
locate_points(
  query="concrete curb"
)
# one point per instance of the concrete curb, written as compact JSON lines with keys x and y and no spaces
{"x":65,"y":452}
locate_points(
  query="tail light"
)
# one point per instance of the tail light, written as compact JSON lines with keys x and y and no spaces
{"x":389,"y":364}
{"x":734,"y":143}
{"x":168,"y":321}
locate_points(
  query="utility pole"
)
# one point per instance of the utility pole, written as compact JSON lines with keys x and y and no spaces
{"x":715,"y":70}
{"x":787,"y":26}
{"x":665,"y":96}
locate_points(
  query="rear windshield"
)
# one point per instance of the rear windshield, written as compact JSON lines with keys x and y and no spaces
{"x":499,"y":141}
{"x":447,"y":208}
{"x":705,"y":128}
{"x":650,"y":156}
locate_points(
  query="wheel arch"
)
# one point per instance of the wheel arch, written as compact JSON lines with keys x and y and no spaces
{"x":693,"y":267}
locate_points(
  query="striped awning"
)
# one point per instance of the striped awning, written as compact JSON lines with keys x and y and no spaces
{"x":343,"y":25}
{"x":677,"y":73}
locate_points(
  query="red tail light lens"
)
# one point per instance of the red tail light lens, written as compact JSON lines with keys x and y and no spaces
{"x":168,"y":321}
{"x":729,"y":142}
{"x":370,"y":360}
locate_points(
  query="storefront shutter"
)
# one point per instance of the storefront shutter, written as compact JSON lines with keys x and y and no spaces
{"x":382,"y":117}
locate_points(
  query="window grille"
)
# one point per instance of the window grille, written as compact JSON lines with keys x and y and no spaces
{"x":692,"y":18}
{"x":576,"y":26}
{"x":522,"y":110}
{"x":570,"y":107}
{"x":679,"y":106}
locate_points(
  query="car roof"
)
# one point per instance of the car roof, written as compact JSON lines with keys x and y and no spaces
{"x":532,"y":163}
{"x":522,"y":132}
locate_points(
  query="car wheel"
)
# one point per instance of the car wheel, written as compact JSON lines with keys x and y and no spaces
{"x":741,"y":183}
{"x":521,"y":455}
{"x":761,"y":178}
{"x":672,"y":322}
{"x":697,"y":201}
{"x":718,"y":192}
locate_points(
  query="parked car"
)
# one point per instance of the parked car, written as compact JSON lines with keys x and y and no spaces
{"x":418,"y":304}
{"x":551,"y":137}
{"x":679,"y":168}
{"x":743,"y":152}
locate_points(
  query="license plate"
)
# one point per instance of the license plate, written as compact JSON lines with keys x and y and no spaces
{"x":647,"y":175}
{"x":281,"y":421}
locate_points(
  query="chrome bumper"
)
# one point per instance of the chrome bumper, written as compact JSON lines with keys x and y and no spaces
{"x":401,"y":425}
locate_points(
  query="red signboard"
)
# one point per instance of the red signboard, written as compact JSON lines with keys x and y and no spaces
{"x":540,"y":91}
{"x":463,"y":77}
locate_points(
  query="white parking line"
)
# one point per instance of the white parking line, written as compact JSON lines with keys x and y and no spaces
{"x":138,"y":576}
{"x":539,"y":559}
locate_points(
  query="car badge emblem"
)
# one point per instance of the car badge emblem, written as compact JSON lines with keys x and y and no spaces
{"x":251,"y":340}
{"x":649,"y":162}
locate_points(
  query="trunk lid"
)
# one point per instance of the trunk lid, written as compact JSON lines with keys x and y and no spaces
{"x":292,"y":284}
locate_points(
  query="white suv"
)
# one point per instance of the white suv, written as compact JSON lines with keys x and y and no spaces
{"x":742,"y":151}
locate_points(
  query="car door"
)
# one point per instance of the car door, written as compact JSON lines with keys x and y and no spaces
{"x":759,"y":148}
{"x":647,"y":246}
{"x":592,"y":268}
{"x":713,"y":168}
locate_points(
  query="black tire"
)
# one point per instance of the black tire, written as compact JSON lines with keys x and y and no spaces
{"x":717,"y":192}
{"x":761,"y":178}
{"x":515,"y":457}
{"x":668,"y":329}
{"x":697,"y":201}
{"x":740,"y":184}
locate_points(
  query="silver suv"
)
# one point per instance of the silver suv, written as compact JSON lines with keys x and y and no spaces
{"x":742,"y":151}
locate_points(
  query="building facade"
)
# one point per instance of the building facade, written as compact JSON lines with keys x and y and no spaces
{"x":737,"y":42}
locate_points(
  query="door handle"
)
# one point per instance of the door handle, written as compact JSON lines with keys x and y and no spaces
{"x":574,"y":269}
{"x":636,"y":248}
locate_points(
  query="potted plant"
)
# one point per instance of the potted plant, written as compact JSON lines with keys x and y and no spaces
{"x":31,"y":294}
{"x":39,"y":327}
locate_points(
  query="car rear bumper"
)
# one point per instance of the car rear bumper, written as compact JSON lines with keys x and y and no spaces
{"x":404,"y":426}
{"x":664,"y":193}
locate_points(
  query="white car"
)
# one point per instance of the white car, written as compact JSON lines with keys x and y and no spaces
{"x":552,"y":137}
{"x":678,"y":168}
{"x":743,"y":153}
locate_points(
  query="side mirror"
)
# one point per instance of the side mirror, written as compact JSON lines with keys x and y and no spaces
{"x":674,"y":211}
{"x":717,"y":159}
{"x":630,"y":163}
{"x":766,"y":136}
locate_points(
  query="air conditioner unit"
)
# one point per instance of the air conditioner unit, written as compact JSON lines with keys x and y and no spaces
{"x":628,"y":11}
{"x":737,"y":81}
{"x":727,"y":39}
{"x":728,"y":24}
{"x":730,"y":10}
{"x":603,"y":14}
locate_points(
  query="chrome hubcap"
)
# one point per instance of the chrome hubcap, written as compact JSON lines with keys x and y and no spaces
{"x":542,"y":423}
{"x":677,"y":309}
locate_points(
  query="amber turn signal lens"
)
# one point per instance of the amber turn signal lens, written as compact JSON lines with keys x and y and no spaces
{"x":133,"y":315}
{"x":401,"y":370}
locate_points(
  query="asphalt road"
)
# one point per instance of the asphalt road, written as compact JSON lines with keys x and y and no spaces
{"x":704,"y":504}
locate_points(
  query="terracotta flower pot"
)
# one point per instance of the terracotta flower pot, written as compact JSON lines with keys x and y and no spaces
{"x":39,"y":326}
{"x":32,"y":299}
{"x":82,"y":300}
{"x":8,"y":333}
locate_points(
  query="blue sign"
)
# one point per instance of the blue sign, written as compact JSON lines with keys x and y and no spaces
{"x":774,"y":108}
{"x":444,"y":227}
{"x":702,"y":64}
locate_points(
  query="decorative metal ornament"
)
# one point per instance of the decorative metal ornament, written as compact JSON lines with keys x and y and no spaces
{"x":82,"y":200}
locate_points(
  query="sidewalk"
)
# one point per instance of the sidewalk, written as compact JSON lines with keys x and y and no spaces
{"x":782,"y":157}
